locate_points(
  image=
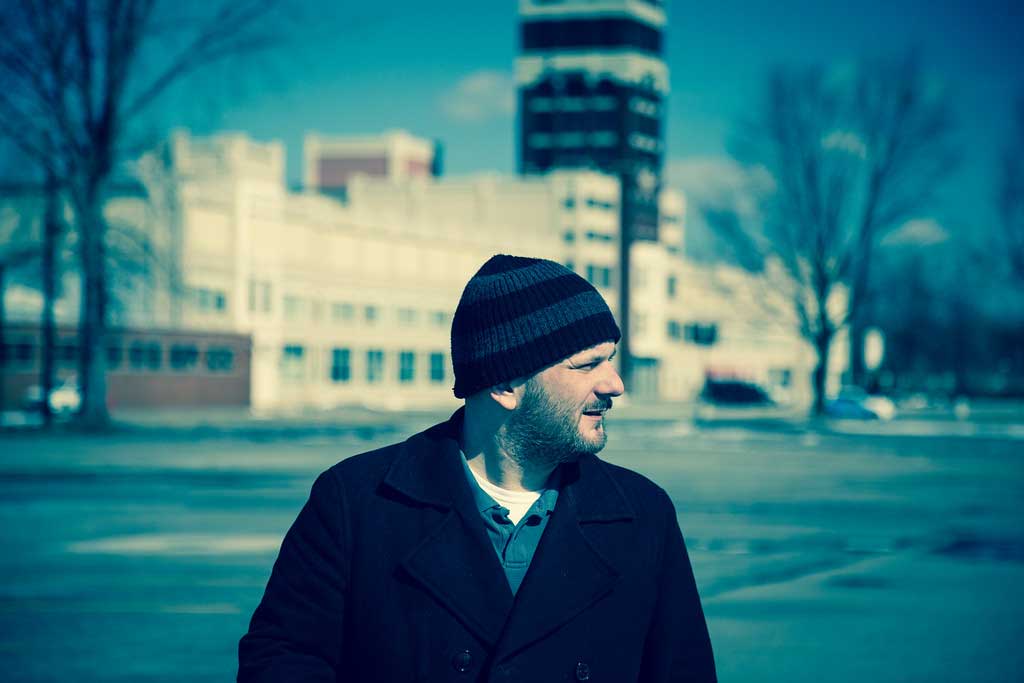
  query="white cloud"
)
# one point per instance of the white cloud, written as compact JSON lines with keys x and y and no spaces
{"x":920,"y":232}
{"x":717,"y":181}
{"x":480,"y":95}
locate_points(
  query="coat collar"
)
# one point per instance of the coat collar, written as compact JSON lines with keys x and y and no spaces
{"x":427,"y":470}
{"x":455,"y":562}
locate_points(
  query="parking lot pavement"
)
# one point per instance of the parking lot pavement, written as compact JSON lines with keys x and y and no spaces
{"x":821,"y":556}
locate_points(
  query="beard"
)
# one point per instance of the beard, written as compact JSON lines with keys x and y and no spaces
{"x":546,"y":433}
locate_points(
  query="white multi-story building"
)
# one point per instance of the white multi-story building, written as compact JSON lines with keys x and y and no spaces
{"x":351,"y":301}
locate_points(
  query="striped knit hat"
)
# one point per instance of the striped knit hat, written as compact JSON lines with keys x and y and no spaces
{"x":519,"y":315}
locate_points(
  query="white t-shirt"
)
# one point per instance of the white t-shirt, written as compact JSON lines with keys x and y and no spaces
{"x":517,"y":502}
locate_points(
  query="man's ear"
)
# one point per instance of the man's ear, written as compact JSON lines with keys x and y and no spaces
{"x":505,"y":396}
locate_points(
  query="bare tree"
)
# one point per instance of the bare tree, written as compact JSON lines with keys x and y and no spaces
{"x":841,"y":160}
{"x":904,"y":124}
{"x":77,"y":76}
{"x":1010,"y":199}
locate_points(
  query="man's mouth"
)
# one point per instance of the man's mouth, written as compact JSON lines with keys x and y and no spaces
{"x":599,"y":411}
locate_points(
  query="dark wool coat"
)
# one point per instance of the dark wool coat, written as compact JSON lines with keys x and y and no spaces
{"x":387,"y":574}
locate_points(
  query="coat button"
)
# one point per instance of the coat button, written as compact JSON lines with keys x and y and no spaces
{"x":582,"y":672}
{"x":462,"y":661}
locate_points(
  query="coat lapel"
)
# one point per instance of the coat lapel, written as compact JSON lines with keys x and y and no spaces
{"x":567,"y":574}
{"x":455,"y":561}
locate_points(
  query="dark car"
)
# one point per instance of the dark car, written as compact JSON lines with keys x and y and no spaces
{"x":734,"y":392}
{"x":736,"y":401}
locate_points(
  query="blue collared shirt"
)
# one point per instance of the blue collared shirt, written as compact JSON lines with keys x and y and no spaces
{"x":515,"y":544}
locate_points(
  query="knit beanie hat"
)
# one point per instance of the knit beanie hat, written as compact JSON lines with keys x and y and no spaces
{"x":519,"y":315}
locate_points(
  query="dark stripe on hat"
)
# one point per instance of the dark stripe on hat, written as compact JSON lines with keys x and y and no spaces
{"x":535,"y":323}
{"x":525,"y":300}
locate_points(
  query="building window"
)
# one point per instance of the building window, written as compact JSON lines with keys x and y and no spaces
{"x":675,"y":330}
{"x":540,"y":140}
{"x":341,"y":365}
{"x":437,"y":367}
{"x":259,"y":296}
{"x":570,"y":265}
{"x":343,"y":312}
{"x":183,"y":356}
{"x":406,"y":366}
{"x":370,"y":314}
{"x":115,"y":354}
{"x":207,"y":300}
{"x":66,"y":352}
{"x":598,"y":236}
{"x":572,"y":139}
{"x":292,"y":307}
{"x":594,"y":203}
{"x":670,"y":286}
{"x":20,"y":353}
{"x":599,"y":276}
{"x":293,"y":362}
{"x":642,"y":106}
{"x":604,"y":138}
{"x":540,"y":104}
{"x":145,"y":355}
{"x":440,"y":318}
{"x":569,"y":202}
{"x":704,"y":335}
{"x":569,"y":236}
{"x":407,"y":317}
{"x":220,"y":359}
{"x":374,"y":366}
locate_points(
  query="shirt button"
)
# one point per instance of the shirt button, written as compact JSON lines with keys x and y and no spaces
{"x":462,"y":661}
{"x":582,"y":672}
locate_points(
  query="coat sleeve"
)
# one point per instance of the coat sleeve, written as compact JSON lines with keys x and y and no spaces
{"x":678,"y":647}
{"x":296,"y":631}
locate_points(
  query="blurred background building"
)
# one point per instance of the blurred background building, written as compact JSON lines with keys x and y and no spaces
{"x":342,"y":290}
{"x":349,"y":299}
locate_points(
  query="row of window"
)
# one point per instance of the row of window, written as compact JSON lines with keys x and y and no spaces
{"x":638,"y":105}
{"x":345,"y":313}
{"x":598,"y":138}
{"x":590,"y":203}
{"x":340,"y":367}
{"x":208,"y":300}
{"x":141,"y":355}
{"x":591,"y":235}
{"x":695,"y":333}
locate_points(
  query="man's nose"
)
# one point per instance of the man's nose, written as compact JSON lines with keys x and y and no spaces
{"x":611,"y":384}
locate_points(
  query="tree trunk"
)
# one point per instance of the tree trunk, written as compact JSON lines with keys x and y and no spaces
{"x":93,"y":316}
{"x":46,"y":323}
{"x":822,"y":344}
{"x":5,"y":359}
{"x":858,"y":373}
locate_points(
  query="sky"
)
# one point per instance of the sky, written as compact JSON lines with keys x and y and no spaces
{"x":445,"y":71}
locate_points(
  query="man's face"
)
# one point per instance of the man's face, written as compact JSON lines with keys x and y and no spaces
{"x":561,"y":412}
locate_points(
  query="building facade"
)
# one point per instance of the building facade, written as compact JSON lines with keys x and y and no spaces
{"x":350,"y":301}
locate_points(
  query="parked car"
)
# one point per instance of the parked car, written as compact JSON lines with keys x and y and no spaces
{"x":853,"y":403}
{"x":65,"y":398}
{"x":725,"y":400}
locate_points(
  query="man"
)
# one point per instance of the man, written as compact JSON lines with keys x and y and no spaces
{"x":495,"y":546}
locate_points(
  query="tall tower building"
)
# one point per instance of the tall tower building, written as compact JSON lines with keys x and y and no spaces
{"x":592,"y":86}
